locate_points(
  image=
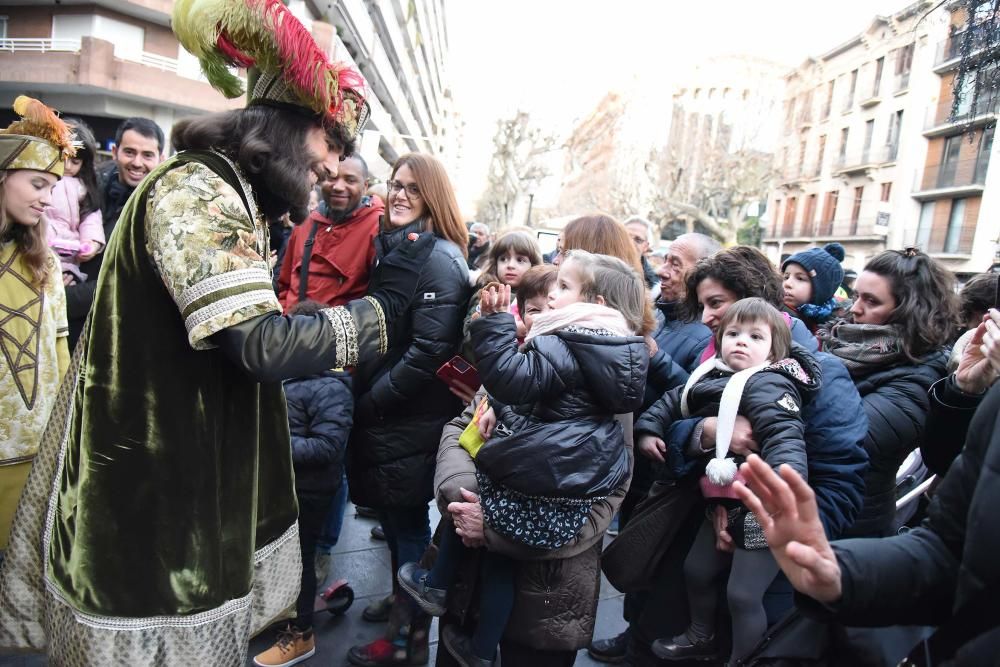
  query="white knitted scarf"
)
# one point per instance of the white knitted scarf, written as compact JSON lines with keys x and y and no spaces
{"x":581,"y":314}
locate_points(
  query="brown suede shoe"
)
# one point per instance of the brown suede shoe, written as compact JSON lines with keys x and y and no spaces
{"x":292,"y":647}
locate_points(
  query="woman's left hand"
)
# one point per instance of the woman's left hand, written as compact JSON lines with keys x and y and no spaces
{"x":468,"y":519}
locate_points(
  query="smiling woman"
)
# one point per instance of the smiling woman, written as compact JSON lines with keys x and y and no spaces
{"x":33,"y":335}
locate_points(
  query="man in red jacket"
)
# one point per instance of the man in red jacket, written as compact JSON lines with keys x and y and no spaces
{"x":330,"y":256}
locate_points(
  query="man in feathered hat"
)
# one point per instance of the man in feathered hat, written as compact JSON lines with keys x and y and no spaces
{"x":158,"y":525}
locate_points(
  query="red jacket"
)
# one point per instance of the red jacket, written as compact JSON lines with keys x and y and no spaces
{"x":342,"y":257}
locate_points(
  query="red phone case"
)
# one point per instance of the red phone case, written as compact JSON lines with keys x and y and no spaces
{"x":458,"y":369}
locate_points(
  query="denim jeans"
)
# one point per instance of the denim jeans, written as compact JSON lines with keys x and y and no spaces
{"x":334,"y":520}
{"x":408,"y":532}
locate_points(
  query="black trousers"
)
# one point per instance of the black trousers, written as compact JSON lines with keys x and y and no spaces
{"x":313,"y":509}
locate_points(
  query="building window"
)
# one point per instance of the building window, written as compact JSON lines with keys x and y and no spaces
{"x":809,"y":215}
{"x":925,"y":225}
{"x":949,"y":161}
{"x":869,"y":134}
{"x":856,"y":208}
{"x":955,"y":220}
{"x":983,"y":154}
{"x":844,"y":136}
{"x":886,"y":191}
{"x":788,"y":226}
{"x":829,"y":100}
{"x":849,"y":100}
{"x":892,"y":138}
{"x":877,"y":82}
{"x":904,"y":62}
{"x":777,"y":217}
{"x":802,"y":154}
{"x":829,"y":211}
{"x":820,"y":154}
{"x":3,"y":27}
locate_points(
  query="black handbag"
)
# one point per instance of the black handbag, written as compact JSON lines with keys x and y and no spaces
{"x":633,"y":558}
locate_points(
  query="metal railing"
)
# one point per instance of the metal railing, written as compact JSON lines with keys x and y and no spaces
{"x":940,"y":115}
{"x":982,"y":36}
{"x":38,"y":45}
{"x":844,"y":228}
{"x":871,"y":156}
{"x":970,"y":172}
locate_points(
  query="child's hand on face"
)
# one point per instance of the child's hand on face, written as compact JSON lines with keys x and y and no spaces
{"x":495,"y":298}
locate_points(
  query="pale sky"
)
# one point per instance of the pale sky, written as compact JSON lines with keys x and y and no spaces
{"x":557,"y":58}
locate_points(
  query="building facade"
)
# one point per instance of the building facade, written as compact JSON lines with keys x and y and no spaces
{"x":853,"y":139}
{"x":105,"y":60}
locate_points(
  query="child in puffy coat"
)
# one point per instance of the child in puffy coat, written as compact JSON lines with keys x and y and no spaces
{"x":76,"y":228}
{"x":810,"y":280}
{"x":556,"y":447}
{"x":756,"y":373}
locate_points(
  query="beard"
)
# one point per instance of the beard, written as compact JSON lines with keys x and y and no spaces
{"x":282,"y":189}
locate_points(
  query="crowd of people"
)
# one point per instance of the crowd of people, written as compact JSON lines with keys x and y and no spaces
{"x":207,"y":354}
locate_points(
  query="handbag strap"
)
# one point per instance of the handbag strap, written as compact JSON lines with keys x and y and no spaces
{"x":307,"y":251}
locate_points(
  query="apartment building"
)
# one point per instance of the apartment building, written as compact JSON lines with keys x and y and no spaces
{"x":957,"y":193}
{"x":853,"y":138}
{"x":104,"y":60}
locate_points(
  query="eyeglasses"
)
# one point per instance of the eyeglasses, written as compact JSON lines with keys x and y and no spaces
{"x":412,"y":191}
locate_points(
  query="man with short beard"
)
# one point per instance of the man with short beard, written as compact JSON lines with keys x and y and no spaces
{"x":330,"y":256}
{"x":158,"y":524}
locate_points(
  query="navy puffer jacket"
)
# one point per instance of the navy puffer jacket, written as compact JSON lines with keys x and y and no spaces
{"x":320,"y":414}
{"x":836,"y":426}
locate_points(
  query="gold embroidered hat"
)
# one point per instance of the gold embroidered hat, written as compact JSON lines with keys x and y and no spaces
{"x":40,"y":140}
{"x":283,"y":62}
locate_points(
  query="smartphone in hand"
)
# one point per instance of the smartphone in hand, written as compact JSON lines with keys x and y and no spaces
{"x":458,"y":369}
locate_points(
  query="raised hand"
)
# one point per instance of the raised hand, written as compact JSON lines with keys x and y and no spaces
{"x":786,"y":509}
{"x":978,"y":367}
{"x":494,"y":298}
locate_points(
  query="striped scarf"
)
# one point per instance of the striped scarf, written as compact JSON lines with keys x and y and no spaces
{"x":863,"y":348}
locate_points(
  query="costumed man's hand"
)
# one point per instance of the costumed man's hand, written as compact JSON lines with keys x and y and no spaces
{"x":980,"y":361}
{"x":786,"y":509}
{"x":398,"y":274}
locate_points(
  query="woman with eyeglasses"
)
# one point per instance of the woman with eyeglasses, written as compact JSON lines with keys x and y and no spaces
{"x":402,"y":406}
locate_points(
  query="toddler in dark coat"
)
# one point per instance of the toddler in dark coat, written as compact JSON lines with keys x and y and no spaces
{"x":758,"y":374}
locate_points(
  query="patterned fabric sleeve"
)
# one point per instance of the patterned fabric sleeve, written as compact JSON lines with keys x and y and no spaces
{"x":208,"y":251}
{"x":57,"y":297}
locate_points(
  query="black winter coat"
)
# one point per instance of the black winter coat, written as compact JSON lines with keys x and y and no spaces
{"x":401,"y":404}
{"x":575,"y":378}
{"x":946,"y":566}
{"x":947,"y":424}
{"x":896,"y":403}
{"x":320,"y":414}
{"x":772,"y":401}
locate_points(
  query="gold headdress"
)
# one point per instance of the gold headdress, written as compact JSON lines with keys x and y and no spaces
{"x":40,"y":140}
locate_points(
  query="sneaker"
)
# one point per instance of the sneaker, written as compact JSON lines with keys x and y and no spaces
{"x":378,"y":611}
{"x":378,"y":533}
{"x":684,"y":647}
{"x":611,"y":650}
{"x":413,"y":579}
{"x":293,"y":646}
{"x":460,"y":647}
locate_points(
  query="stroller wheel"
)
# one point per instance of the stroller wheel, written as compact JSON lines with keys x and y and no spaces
{"x":337,"y":598}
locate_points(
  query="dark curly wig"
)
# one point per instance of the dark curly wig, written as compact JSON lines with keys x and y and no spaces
{"x":743,"y":270}
{"x":269,"y":144}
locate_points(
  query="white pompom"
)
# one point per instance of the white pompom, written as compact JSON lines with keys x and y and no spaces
{"x":721,"y":471}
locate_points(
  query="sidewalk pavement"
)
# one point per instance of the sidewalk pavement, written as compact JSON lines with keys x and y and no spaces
{"x":364,"y":562}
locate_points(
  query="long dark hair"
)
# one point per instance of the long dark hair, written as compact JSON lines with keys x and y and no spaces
{"x":926,"y":304}
{"x":269,"y":145}
{"x":87,"y":152}
{"x":743,"y":270}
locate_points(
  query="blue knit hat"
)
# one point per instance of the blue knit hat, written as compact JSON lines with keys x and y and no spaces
{"x":823,"y":267}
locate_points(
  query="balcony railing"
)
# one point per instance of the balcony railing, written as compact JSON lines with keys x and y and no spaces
{"x":950,"y":50}
{"x":38,"y":45}
{"x":839,"y":229}
{"x":939,"y":116}
{"x":963,"y":175}
{"x":866,"y":159}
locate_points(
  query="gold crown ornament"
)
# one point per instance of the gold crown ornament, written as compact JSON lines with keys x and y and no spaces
{"x":40,"y":140}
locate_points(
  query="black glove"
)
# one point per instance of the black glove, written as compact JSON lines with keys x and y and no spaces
{"x":398,"y":273}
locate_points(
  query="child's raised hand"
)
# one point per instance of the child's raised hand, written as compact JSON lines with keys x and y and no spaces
{"x":494,"y":298}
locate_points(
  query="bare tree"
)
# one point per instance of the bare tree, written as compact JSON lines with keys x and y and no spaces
{"x":516,"y":169}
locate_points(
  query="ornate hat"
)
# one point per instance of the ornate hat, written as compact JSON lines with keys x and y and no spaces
{"x":285,"y":64}
{"x":40,"y":140}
